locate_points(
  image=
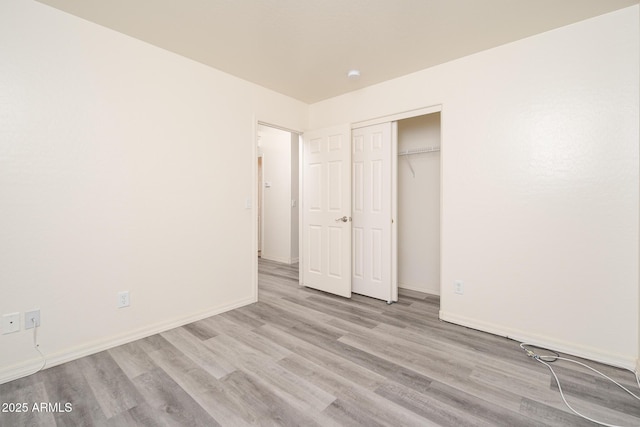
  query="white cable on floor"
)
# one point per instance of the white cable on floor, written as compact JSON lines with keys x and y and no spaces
{"x":553,"y":358}
{"x":37,"y":347}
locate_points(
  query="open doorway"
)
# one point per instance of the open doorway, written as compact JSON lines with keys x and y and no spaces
{"x":277,"y":180}
{"x":419,"y":195}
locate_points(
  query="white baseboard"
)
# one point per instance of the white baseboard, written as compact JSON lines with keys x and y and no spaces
{"x":295,"y":260}
{"x":423,"y":289}
{"x":544,"y":341}
{"x":279,"y":259}
{"x":275,"y":258}
{"x":28,"y":367}
{"x":638,"y":366}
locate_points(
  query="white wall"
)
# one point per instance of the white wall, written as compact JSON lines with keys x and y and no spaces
{"x":122,"y":167}
{"x":276,"y":209}
{"x":540,"y":183}
{"x":419,"y":205}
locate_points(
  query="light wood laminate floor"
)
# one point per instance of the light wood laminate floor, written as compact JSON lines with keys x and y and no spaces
{"x":302,"y":357}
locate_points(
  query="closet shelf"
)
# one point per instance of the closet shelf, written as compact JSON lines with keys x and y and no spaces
{"x":416,"y":151}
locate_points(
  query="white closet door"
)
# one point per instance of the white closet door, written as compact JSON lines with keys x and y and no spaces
{"x":326,"y":205}
{"x":372,"y":211}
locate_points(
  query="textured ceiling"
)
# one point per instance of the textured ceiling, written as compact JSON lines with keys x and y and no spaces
{"x":304,"y":48}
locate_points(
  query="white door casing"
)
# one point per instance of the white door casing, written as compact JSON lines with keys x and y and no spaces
{"x":326,"y":201}
{"x":372,"y":210}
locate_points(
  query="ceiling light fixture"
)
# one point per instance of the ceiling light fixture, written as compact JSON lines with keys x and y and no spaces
{"x":353,"y":74}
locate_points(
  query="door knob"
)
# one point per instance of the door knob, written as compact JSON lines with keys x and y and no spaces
{"x":344,"y":219}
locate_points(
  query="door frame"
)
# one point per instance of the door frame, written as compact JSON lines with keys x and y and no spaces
{"x":398,"y":116}
{"x":436,"y":108}
{"x":393,"y":119}
{"x":252,"y":201}
{"x":260,"y":199}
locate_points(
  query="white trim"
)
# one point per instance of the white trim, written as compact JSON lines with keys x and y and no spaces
{"x":442,"y":153}
{"x":259,"y":204}
{"x":300,"y":209}
{"x":423,"y":289}
{"x":276,"y":258}
{"x":543,"y":341}
{"x":282,"y":260}
{"x":398,"y":116}
{"x":261,"y":123}
{"x":22,"y":369}
{"x":254,"y":211}
{"x":394,"y":211}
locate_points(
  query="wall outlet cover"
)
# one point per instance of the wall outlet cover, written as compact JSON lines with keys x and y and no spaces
{"x":28,"y":316}
{"x":10,"y":323}
{"x":123,"y":299}
{"x":458,"y":287}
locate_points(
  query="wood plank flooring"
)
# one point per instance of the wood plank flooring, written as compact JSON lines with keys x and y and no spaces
{"x":302,"y":357}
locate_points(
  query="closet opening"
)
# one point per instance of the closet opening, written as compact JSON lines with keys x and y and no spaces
{"x":370,"y":221}
{"x":395,"y":201}
{"x":418,"y":198}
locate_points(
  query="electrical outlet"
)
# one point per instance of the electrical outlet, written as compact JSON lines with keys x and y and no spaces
{"x":123,"y":299}
{"x":458,"y":287}
{"x":10,"y":323}
{"x":31,"y":319}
